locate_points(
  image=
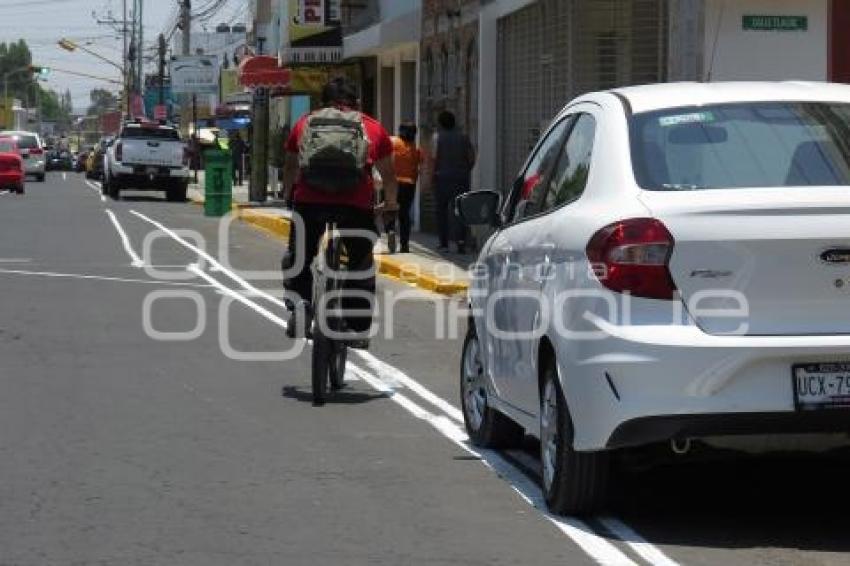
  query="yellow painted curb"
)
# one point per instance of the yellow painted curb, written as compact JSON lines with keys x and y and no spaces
{"x":391,"y":266}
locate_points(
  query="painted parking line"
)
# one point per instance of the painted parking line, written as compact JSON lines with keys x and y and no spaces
{"x":135,"y":260}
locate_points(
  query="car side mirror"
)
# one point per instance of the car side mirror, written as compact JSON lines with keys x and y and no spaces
{"x":479,"y":208}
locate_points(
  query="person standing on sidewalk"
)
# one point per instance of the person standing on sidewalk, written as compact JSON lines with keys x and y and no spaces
{"x":408,"y":160}
{"x":452,"y":160}
{"x":237,"y":150}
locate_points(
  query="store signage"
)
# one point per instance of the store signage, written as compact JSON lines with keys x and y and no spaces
{"x":776,"y":23}
{"x":313,"y":31}
{"x":195,"y":75}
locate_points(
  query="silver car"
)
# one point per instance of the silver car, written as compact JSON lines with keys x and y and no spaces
{"x":31,"y":150}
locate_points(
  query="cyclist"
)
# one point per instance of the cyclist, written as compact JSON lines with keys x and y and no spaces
{"x":327,"y":178}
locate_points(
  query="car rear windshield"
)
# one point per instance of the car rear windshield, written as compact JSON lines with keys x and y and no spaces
{"x":742,"y":145}
{"x":27,"y":142}
{"x":7,"y":146}
{"x":151,"y":133}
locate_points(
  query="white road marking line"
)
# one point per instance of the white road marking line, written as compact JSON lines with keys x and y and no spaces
{"x":16,"y":260}
{"x":64,"y":176}
{"x":92,"y":186}
{"x":602,"y":551}
{"x":644,"y":549}
{"x":599,"y":548}
{"x":99,"y":278}
{"x":125,"y":240}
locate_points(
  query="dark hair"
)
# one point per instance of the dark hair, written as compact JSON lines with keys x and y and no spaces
{"x":339,"y":91}
{"x":446,"y":120}
{"x":407,"y":131}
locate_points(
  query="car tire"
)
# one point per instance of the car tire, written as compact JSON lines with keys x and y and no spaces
{"x":486,"y":427}
{"x":40,"y":178}
{"x":113,"y":189}
{"x":176,"y":192}
{"x":19,"y":189}
{"x":574,"y":483}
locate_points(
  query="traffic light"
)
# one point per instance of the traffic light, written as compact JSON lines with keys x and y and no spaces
{"x":40,"y":72}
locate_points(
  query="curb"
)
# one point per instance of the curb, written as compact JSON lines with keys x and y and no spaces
{"x":393,"y":267}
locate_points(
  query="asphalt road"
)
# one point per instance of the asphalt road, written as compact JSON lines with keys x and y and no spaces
{"x":147,"y":417}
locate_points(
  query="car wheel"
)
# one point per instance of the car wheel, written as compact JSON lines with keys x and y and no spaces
{"x":574,"y":483}
{"x":176,"y":192}
{"x":40,"y":178}
{"x":486,"y":427}
{"x":19,"y":189}
{"x":113,"y":190}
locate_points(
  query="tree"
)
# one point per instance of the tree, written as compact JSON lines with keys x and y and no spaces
{"x":101,"y":101}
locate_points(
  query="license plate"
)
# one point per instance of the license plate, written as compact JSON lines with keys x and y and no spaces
{"x":822,"y":386}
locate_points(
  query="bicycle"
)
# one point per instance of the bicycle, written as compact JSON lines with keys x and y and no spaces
{"x":329,"y":354}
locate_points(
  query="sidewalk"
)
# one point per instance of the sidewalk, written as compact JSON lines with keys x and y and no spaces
{"x":423,"y":267}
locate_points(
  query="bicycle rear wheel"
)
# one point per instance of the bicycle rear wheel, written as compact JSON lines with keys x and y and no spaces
{"x":337,"y":365}
{"x":321,"y":365}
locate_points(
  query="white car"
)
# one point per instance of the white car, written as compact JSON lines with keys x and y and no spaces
{"x":31,"y":150}
{"x":146,"y":156}
{"x":672,"y":264}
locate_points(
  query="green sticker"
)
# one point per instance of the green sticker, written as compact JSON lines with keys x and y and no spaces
{"x":692,"y":118}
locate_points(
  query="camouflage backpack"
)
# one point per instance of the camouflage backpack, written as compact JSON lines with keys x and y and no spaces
{"x":333,"y":150}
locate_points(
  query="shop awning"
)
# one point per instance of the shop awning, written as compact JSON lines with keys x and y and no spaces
{"x":263,"y":71}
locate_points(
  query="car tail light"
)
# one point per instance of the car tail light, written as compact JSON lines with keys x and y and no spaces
{"x":632,"y":256}
{"x":119,"y":151}
{"x":36,"y":151}
{"x":187,"y":156}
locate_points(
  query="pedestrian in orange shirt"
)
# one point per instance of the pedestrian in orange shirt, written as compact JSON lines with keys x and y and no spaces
{"x":408,"y":161}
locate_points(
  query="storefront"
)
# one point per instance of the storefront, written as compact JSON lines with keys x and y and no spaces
{"x":536,"y":56}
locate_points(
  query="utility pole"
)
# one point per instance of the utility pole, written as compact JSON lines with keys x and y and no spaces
{"x":141,"y":45}
{"x":186,"y":25}
{"x":162,"y":48}
{"x":258,"y":189}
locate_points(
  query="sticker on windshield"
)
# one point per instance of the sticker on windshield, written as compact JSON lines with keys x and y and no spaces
{"x":692,"y":118}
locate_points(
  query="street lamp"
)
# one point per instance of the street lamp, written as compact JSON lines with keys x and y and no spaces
{"x":71,"y":46}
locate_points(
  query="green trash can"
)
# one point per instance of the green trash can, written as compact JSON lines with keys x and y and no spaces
{"x":218,"y":182}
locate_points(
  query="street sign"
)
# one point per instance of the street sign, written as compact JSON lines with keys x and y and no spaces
{"x":160,"y":112}
{"x":775,"y":23}
{"x":195,"y":75}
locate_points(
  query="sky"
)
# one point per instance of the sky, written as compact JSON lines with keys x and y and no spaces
{"x":43,"y":22}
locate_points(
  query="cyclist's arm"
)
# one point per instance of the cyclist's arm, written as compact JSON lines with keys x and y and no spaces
{"x":290,"y":172}
{"x":390,"y":185}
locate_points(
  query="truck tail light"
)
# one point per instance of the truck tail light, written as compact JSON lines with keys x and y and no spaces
{"x":119,"y":151}
{"x":632,"y":256}
{"x":36,"y":151}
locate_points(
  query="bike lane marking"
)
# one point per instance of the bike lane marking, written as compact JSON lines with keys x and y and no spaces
{"x":595,"y":545}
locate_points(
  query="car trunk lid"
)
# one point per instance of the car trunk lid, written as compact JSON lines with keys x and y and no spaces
{"x":761,"y":261}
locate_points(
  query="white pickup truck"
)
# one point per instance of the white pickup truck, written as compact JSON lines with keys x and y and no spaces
{"x":147,"y":157}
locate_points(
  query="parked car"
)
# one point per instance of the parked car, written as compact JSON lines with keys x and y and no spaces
{"x":12,"y":176}
{"x":147,"y":156}
{"x":81,"y":160}
{"x":94,"y":165}
{"x":672,"y":265}
{"x":31,"y":151}
{"x":59,"y":160}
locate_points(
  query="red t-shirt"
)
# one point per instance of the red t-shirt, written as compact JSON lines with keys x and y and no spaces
{"x":380,"y":147}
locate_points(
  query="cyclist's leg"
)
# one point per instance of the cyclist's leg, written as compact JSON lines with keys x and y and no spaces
{"x":304,"y":239}
{"x":360,"y":260}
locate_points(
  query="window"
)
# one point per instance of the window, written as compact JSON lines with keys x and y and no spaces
{"x":750,"y":145}
{"x":527,"y":189}
{"x":137,"y":132}
{"x":570,"y":176}
{"x":27,"y":142}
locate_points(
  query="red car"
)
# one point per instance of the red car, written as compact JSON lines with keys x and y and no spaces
{"x":11,"y":166}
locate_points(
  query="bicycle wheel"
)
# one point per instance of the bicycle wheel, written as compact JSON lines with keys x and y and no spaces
{"x":321,"y":366}
{"x":337,"y":365}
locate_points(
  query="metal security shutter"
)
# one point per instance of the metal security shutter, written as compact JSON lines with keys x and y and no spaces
{"x":520,"y":84}
{"x":618,"y":43}
{"x":555,"y":50}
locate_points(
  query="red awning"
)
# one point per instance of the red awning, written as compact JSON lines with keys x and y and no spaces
{"x":263,"y":71}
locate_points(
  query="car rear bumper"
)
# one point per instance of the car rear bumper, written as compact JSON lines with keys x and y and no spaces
{"x":141,"y":172}
{"x":11,"y":179}
{"x":34,"y":166}
{"x":644,"y":384}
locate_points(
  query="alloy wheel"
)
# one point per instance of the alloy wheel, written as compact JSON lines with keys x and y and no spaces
{"x":474,"y":394}
{"x":549,"y":433}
